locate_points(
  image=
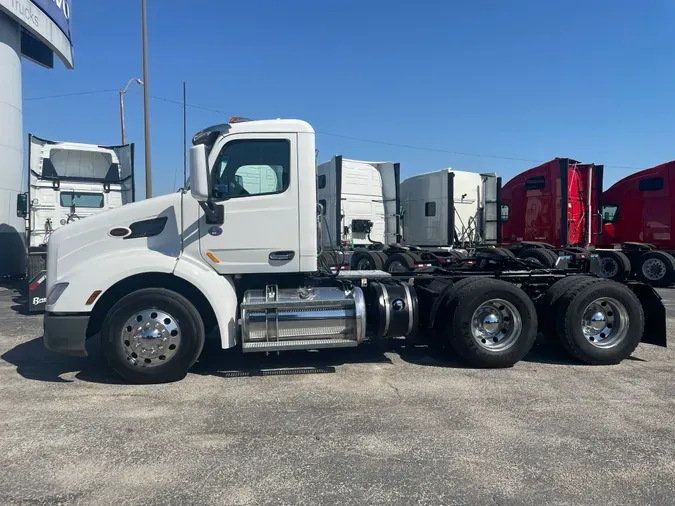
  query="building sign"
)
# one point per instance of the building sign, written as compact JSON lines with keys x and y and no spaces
{"x":47,"y":21}
{"x":59,"y":12}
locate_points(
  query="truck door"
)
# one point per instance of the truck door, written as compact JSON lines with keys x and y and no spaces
{"x":255,"y":180}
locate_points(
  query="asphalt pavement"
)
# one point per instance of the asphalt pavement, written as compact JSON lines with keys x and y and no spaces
{"x":350,"y":427}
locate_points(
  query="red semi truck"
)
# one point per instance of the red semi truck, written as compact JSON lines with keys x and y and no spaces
{"x":638,"y":215}
{"x":552,"y":209}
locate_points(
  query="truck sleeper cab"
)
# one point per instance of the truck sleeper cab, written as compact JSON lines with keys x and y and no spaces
{"x":385,"y":224}
{"x":552,"y":207}
{"x":638,"y":216}
{"x":239,"y":256}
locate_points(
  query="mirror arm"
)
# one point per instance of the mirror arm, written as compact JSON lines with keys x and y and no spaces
{"x":214,"y":213}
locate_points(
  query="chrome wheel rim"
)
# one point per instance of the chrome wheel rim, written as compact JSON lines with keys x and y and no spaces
{"x":363,"y":264}
{"x":496,"y":325}
{"x":397,"y":266}
{"x":605,"y":322}
{"x":150,"y":338}
{"x":608,"y":267}
{"x":654,"y":269}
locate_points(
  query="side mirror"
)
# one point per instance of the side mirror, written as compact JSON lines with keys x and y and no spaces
{"x":22,"y":205}
{"x":199,"y":173}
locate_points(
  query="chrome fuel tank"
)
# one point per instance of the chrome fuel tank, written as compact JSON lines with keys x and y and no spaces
{"x":313,"y":315}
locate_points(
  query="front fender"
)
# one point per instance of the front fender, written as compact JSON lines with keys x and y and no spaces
{"x":218,"y":290}
{"x":104,"y":272}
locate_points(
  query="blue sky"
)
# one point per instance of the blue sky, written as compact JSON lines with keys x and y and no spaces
{"x":529,"y":79}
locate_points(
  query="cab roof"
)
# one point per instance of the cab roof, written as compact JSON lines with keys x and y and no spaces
{"x":242,"y":125}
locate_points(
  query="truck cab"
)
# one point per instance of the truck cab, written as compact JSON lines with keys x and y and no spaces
{"x":639,"y":209}
{"x":555,"y":204}
{"x":450,"y":208}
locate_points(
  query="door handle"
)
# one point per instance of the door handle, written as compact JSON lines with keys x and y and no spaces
{"x":282,"y":255}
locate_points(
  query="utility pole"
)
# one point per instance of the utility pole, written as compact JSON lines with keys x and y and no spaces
{"x":184,"y":135}
{"x":146,"y":103}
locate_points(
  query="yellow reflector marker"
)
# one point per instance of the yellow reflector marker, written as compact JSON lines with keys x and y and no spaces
{"x":93,"y":297}
{"x":213,"y":257}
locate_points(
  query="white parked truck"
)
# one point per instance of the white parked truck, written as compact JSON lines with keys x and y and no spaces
{"x":67,"y":182}
{"x":153,"y":277}
{"x":373,"y":221}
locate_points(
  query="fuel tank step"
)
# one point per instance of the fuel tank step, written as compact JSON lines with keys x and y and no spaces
{"x":304,"y":344}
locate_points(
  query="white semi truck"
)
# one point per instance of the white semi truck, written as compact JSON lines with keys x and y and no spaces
{"x":373,"y":221}
{"x":67,"y":182}
{"x":152,"y":278}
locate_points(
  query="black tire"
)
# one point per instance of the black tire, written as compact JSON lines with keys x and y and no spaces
{"x":614,"y":265}
{"x":117,"y":351}
{"x":369,"y":261}
{"x":552,"y":255}
{"x":507,"y":253}
{"x":397,"y":260}
{"x":547,"y":305}
{"x":467,"y":298}
{"x":443,"y":314}
{"x":382,"y":256}
{"x":570,"y":311}
{"x":539,"y":254}
{"x":663,"y":262}
{"x":330,"y":258}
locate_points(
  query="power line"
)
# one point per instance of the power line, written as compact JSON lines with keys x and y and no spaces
{"x":437,"y":150}
{"x":341,"y":136}
{"x":71,"y":94}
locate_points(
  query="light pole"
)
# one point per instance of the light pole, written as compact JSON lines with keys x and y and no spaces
{"x":146,"y":103}
{"x":122,"y":93}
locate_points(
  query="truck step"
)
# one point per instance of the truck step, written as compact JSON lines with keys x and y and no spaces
{"x":304,"y":344}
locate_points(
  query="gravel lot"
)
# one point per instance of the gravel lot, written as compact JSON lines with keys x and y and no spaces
{"x":355,"y":427}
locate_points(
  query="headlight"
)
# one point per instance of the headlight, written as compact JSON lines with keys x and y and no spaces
{"x":56,"y":292}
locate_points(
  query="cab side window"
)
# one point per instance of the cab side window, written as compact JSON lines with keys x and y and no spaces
{"x":610,"y":213}
{"x":252,"y":167}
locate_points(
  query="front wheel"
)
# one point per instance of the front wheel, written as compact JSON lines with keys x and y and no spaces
{"x":153,"y":335}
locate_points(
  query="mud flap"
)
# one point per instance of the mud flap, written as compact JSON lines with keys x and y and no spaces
{"x":37,"y":293}
{"x":655,"y":314}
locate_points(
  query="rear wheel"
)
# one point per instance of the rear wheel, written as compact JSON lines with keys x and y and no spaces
{"x":539,"y":254}
{"x":614,"y":265}
{"x":492,"y":323}
{"x":399,"y":263}
{"x":656,"y":268}
{"x":546,"y":306}
{"x":599,"y":323}
{"x":153,"y":335}
{"x":366,"y":261}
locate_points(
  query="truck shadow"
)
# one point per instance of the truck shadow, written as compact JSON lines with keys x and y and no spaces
{"x":20,"y":305}
{"x":19,"y":297}
{"x":33,"y":361}
{"x":233,"y":364}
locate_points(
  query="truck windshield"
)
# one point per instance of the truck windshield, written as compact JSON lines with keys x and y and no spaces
{"x":81,"y":164}
{"x":90,"y":200}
